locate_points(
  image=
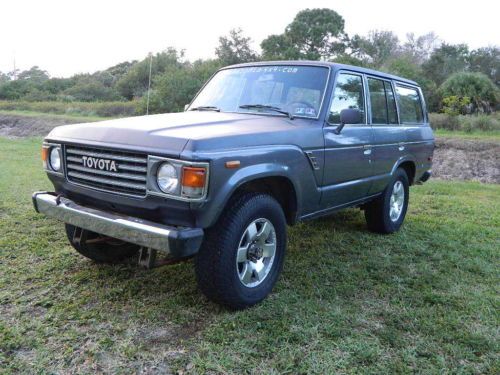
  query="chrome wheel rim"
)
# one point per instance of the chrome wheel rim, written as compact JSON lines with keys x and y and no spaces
{"x":256,"y":252}
{"x":397,"y":201}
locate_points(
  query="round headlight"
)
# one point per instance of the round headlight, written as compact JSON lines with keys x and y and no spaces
{"x":167,"y":178}
{"x":55,"y":159}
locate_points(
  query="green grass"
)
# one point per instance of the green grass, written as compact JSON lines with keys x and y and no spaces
{"x":69,"y":117}
{"x":424,"y":300}
{"x":479,"y":135}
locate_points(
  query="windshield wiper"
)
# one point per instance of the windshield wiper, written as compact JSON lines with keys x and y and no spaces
{"x":268,"y":107}
{"x":205,"y":108}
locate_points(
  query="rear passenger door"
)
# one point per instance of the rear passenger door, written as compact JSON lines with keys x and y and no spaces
{"x":347,"y":169}
{"x":389,"y":138}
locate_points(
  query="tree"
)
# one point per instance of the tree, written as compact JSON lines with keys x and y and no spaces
{"x":314,"y":34}
{"x":446,"y":60}
{"x":377,"y":48}
{"x":135,"y":82}
{"x":278,"y":47}
{"x":483,"y":94}
{"x":235,"y":48}
{"x":91,"y":90}
{"x":177,"y":86}
{"x":34,"y":74}
{"x":487,"y":61}
{"x":420,"y":47}
{"x":4,"y":78}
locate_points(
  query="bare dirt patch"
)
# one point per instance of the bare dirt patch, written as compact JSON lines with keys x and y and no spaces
{"x":13,"y":126}
{"x":462,"y":159}
{"x":454,"y":158}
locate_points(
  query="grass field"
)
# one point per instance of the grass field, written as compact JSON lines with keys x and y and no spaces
{"x":493,"y":135}
{"x":424,"y":300}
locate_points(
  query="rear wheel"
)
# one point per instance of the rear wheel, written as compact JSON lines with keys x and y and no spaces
{"x":242,"y":255}
{"x":99,"y":248}
{"x":387,"y":213}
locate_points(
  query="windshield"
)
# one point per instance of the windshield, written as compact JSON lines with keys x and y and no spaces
{"x":297,"y":90}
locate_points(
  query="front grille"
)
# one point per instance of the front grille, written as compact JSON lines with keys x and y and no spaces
{"x":127,"y":174}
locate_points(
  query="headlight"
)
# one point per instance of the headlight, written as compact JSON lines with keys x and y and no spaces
{"x":55,"y":159}
{"x":167,"y":178}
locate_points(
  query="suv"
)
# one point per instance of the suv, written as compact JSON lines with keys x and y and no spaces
{"x":261,"y":146}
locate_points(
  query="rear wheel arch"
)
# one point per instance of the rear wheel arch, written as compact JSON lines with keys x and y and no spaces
{"x":409,"y":167}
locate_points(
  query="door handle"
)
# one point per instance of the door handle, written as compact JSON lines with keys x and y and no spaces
{"x":367,"y":151}
{"x":401,"y":147}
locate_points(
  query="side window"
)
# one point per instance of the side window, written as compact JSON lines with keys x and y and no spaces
{"x":378,"y":101}
{"x":410,"y":105}
{"x":391,"y":103}
{"x":348,"y":93}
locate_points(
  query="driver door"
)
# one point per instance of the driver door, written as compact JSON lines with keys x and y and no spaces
{"x":348,"y":155}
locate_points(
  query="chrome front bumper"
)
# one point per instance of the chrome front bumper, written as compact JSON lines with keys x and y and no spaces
{"x":178,"y":242}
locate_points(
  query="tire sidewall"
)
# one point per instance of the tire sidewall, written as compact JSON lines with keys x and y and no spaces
{"x":393,"y":226}
{"x":228,"y":286}
{"x":263,"y":289}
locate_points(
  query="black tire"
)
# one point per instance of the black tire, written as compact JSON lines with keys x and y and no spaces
{"x":377,"y":212}
{"x":109,"y":251}
{"x":217,"y":271}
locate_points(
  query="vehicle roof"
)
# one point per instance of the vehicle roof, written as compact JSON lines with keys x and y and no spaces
{"x":332,"y":65}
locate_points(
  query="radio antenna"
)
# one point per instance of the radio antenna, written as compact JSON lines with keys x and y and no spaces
{"x":149,"y":81}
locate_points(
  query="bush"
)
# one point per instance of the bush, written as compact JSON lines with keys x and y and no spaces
{"x":481,"y":91}
{"x":456,"y":105}
{"x":467,"y":123}
{"x":103,"y":109}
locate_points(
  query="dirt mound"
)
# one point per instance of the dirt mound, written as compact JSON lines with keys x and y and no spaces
{"x":454,"y":158}
{"x":13,"y":126}
{"x":461,"y":159}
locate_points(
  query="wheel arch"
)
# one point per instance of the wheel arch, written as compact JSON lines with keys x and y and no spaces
{"x":408,"y":165}
{"x":279,"y":187}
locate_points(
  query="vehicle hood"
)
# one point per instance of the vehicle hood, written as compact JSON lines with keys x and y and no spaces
{"x":170,"y":134}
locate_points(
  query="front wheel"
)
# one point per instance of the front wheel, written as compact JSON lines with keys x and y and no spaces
{"x":386,"y":213}
{"x":242,"y":255}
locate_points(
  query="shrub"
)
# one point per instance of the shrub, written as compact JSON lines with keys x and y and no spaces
{"x":444,"y":121}
{"x":456,"y":105}
{"x":478,"y":87}
{"x":103,"y":109}
{"x":467,"y":123}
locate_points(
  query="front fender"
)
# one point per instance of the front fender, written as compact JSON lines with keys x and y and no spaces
{"x":255,"y":163}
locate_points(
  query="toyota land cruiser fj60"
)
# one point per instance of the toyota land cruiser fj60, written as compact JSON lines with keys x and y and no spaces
{"x":260,"y":147}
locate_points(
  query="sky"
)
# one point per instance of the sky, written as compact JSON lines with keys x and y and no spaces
{"x":66,"y":37}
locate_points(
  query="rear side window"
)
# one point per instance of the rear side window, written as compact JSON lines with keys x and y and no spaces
{"x":410,"y":105}
{"x":348,"y":94}
{"x":378,"y":101}
{"x":391,"y":103}
{"x":383,"y":104}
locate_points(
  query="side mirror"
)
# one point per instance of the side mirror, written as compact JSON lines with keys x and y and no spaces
{"x":186,"y":106}
{"x":348,"y":116}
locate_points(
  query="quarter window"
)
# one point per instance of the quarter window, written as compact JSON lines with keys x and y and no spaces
{"x":348,"y":94}
{"x":410,"y":105}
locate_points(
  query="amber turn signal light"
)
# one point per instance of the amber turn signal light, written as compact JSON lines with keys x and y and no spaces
{"x":193,"y":177}
{"x":45,"y":154}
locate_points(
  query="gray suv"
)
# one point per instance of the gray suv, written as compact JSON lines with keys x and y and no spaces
{"x":260,"y":147}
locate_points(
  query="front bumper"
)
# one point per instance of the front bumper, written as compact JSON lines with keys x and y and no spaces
{"x":177,"y":241}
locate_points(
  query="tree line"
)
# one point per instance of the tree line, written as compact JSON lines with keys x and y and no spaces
{"x":455,"y":79}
